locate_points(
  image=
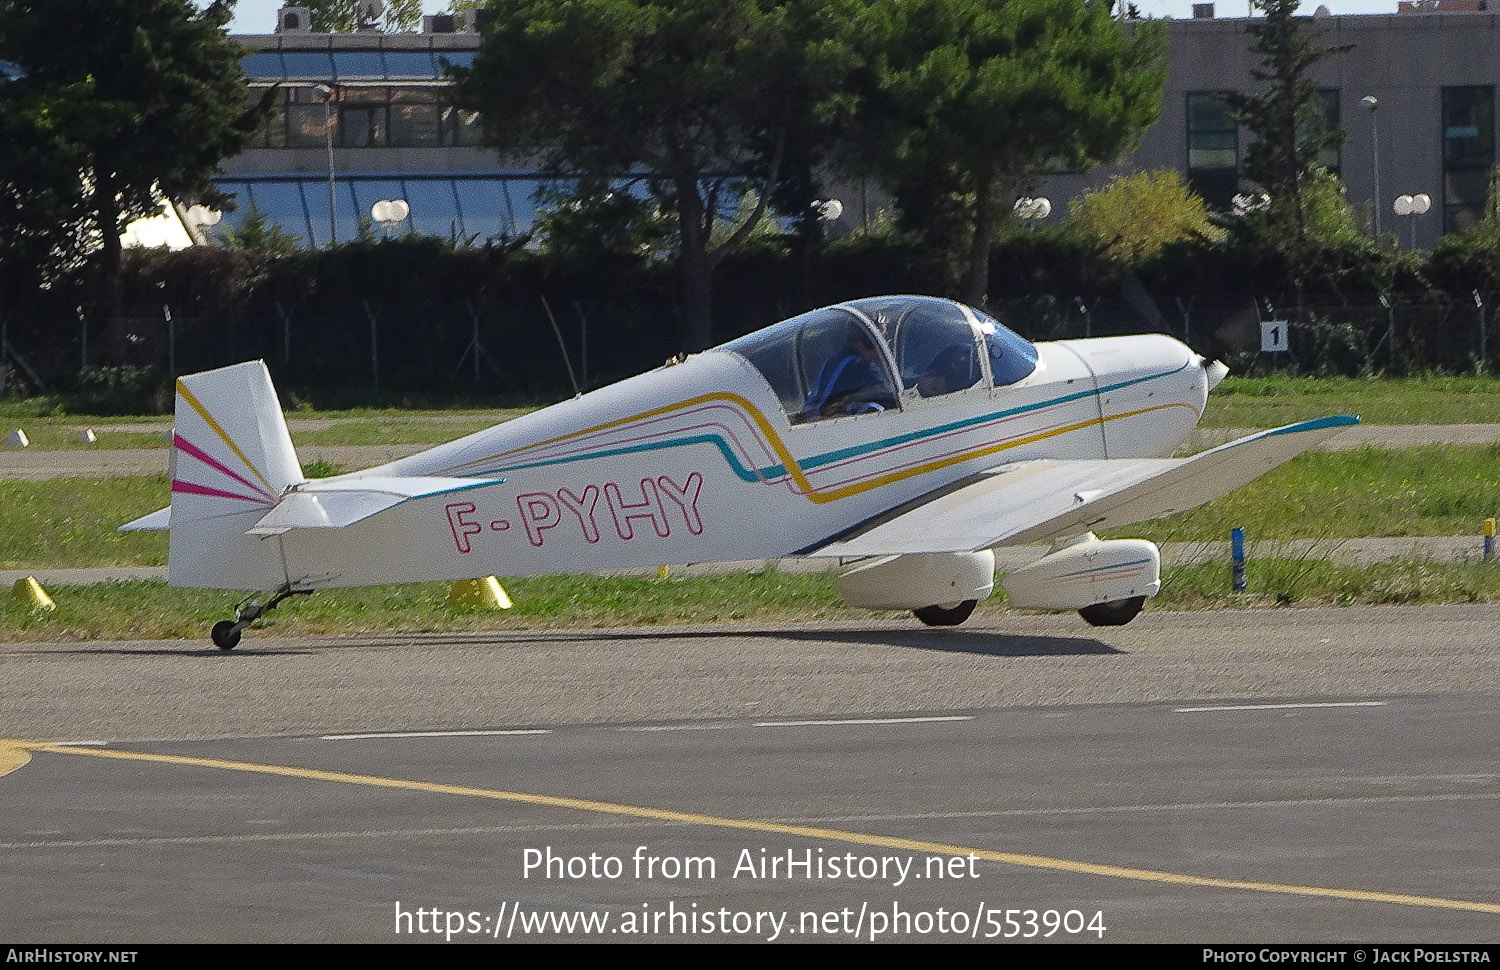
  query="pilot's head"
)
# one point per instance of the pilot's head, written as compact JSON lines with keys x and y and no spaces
{"x":863,"y":344}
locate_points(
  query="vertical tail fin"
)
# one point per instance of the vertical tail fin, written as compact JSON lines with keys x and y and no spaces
{"x":234,"y":459}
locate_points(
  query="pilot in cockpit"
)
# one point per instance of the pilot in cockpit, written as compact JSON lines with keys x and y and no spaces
{"x":850,"y":382}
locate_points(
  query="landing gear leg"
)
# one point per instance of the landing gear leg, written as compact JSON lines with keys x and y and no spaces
{"x":226,"y":633}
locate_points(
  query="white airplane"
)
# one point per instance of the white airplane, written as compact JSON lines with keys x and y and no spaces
{"x":906,"y":436}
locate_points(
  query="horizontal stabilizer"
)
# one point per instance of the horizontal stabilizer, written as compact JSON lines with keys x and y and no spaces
{"x":155,"y":522}
{"x":340,"y":502}
{"x":1045,"y":499}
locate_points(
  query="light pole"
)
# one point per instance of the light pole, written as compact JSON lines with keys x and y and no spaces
{"x":1411,"y":206}
{"x":324,"y":93}
{"x":389,"y":212}
{"x":1031,"y":209}
{"x":1371,"y":102}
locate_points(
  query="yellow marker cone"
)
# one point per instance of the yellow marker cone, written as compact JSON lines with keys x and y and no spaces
{"x":485,"y":594}
{"x":30,"y":592}
{"x":662,"y":572}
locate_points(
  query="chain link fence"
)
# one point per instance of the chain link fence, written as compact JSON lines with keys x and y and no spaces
{"x":452,"y":350}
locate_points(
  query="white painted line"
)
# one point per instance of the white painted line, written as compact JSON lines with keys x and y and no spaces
{"x":654,"y":728}
{"x":1276,"y":707}
{"x":425,"y":734}
{"x":865,"y":720}
{"x":80,"y":744}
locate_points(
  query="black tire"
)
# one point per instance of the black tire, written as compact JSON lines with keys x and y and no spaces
{"x":946,"y":615}
{"x":1113,"y":613}
{"x":224,"y":635}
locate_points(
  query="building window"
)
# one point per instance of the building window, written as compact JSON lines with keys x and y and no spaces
{"x":307,"y":119}
{"x":362,"y":117}
{"x":461,"y":127}
{"x":1327,"y":104}
{"x":414,"y":117}
{"x":1213,"y":147}
{"x":1468,"y":152}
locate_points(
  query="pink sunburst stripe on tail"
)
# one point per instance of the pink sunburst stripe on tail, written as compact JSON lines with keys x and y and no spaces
{"x":184,"y":445}
{"x":191,"y":489}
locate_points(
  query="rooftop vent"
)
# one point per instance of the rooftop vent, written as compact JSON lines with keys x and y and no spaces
{"x":1203,"y":11}
{"x":293,"y":20}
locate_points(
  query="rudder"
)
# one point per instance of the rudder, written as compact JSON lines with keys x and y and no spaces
{"x":234,"y":460}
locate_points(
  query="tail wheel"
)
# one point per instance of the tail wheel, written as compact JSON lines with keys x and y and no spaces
{"x":1114,"y":612}
{"x":224,"y":635}
{"x":951,"y":614}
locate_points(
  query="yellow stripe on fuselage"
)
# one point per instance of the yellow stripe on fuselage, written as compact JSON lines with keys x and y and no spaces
{"x":794,"y":469}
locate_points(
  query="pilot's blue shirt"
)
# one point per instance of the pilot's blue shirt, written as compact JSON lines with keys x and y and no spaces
{"x":844,"y":376}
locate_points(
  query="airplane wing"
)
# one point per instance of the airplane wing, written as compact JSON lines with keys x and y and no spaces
{"x":336,"y":503}
{"x":1043,"y":499}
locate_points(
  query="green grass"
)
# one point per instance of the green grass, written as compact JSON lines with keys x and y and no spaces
{"x":1432,"y":490}
{"x":150,"y":610}
{"x":53,"y":433}
{"x":1239,"y":402}
{"x":1307,"y":581}
{"x":58,"y":436}
{"x":1268,"y":402}
{"x":71,"y":522}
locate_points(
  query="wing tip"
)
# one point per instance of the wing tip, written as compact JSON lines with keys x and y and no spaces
{"x":1318,"y":424}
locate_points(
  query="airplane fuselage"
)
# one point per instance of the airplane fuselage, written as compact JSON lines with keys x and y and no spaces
{"x":702,"y":462}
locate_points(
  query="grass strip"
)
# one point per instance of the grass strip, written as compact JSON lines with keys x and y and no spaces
{"x":151,"y":610}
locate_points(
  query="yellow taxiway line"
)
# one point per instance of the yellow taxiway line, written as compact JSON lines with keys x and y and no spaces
{"x":11,"y":750}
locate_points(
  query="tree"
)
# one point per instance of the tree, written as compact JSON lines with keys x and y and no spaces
{"x":968,"y":99}
{"x":1134,"y":216}
{"x":44,"y":214}
{"x":343,"y":15}
{"x":1287,"y":124}
{"x":258,"y":235}
{"x":702,"y":95}
{"x":132,"y":99}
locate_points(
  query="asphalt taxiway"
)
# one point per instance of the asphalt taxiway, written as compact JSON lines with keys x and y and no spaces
{"x":1318,"y":774}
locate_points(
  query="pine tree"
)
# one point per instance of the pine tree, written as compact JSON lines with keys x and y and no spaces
{"x":1287,"y":124}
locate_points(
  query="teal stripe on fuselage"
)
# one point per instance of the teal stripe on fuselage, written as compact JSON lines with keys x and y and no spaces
{"x":832,"y":456}
{"x":778,"y":470}
{"x":717,"y":441}
{"x":1100,"y":569}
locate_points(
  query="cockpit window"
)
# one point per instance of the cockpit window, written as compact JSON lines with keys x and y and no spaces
{"x":936,"y":350}
{"x":822,"y":364}
{"x":1012,"y":357}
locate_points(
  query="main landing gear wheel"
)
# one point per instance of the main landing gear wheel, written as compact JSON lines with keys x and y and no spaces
{"x":950,"y":614}
{"x":225,"y":634}
{"x":1114,"y":612}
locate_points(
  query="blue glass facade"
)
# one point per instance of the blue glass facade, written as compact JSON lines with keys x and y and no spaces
{"x":381,"y":98}
{"x":468,"y":208}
